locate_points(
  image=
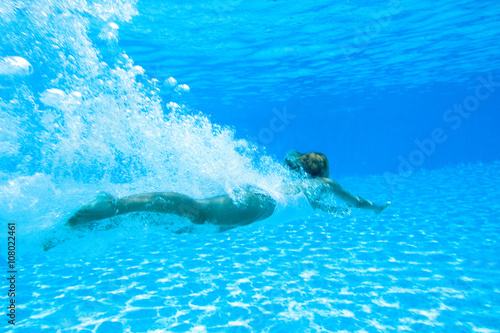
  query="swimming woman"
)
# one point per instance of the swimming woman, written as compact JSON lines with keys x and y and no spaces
{"x":222,"y":210}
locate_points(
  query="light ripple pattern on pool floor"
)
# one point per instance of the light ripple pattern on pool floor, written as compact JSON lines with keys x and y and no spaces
{"x":428,"y":264}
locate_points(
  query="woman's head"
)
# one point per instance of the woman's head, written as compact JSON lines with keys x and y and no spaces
{"x":314,"y":164}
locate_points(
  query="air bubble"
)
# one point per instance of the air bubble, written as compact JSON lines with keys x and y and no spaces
{"x":53,"y":97}
{"x":183,"y":87}
{"x":173,"y":106}
{"x":171,"y":81}
{"x":15,"y":66}
{"x":58,"y":99}
{"x":137,"y":70}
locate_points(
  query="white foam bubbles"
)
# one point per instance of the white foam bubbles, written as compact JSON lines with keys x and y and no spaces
{"x":53,"y":97}
{"x":179,"y":88}
{"x":58,"y":99}
{"x":173,"y":106}
{"x":183,"y":88}
{"x":114,"y":131}
{"x":76,"y":95}
{"x":15,"y":66}
{"x":110,"y":32}
{"x":137,"y":70}
{"x":171,"y":81}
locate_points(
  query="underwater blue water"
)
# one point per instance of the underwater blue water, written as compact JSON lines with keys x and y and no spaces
{"x":205,"y":98}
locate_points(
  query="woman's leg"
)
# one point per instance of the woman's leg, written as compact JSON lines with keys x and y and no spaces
{"x":219,"y":210}
{"x":223,"y":211}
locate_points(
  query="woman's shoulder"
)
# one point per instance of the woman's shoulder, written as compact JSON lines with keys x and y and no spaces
{"x":327,"y":182}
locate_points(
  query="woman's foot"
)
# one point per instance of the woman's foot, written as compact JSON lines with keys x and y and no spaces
{"x":103,"y":206}
{"x":380,"y":208}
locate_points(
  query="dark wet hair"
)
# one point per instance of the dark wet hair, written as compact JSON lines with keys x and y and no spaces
{"x":314,"y":164}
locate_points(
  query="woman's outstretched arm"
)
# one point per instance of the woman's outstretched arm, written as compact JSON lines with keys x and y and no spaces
{"x":352,"y":200}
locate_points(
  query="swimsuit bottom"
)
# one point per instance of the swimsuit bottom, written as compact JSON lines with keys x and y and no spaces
{"x":291,"y":204}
